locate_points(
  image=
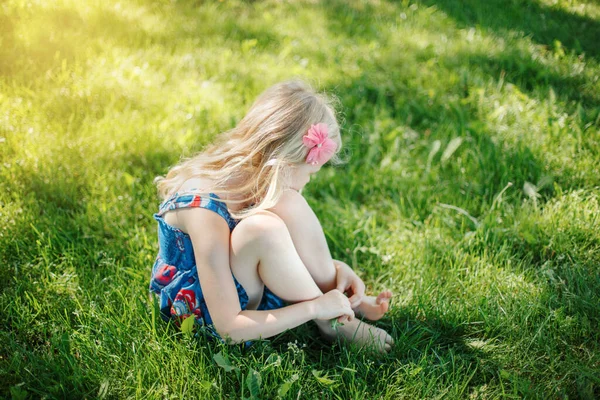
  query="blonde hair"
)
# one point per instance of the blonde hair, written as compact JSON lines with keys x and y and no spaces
{"x":257,"y":153}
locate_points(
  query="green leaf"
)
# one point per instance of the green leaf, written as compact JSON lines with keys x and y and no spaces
{"x":505,"y":374}
{"x":206,"y":385}
{"x":103,"y":391}
{"x":17,"y":393}
{"x":128,"y":178}
{"x":451,"y":148}
{"x":324,"y":380}
{"x":187,"y":326}
{"x":223,"y":362}
{"x":334,"y":323}
{"x":285,"y":387}
{"x":434,"y":149}
{"x":253,"y":381}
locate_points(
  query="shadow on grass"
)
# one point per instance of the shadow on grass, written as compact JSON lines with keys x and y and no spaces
{"x":530,"y":75}
{"x":544,"y":24}
{"x":423,"y":347}
{"x":486,"y":163}
{"x":514,"y":66}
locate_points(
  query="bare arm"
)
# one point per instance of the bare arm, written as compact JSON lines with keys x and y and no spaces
{"x":212,"y":262}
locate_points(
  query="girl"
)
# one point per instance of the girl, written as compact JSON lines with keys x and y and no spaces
{"x":241,"y":249}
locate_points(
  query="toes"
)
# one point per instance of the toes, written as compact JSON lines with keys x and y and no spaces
{"x":383,"y":297}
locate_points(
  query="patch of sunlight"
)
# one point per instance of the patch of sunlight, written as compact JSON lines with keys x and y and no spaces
{"x":481,"y":344}
{"x":517,"y":118}
{"x":579,"y":208}
{"x":104,"y":14}
{"x":583,"y":8}
{"x":65,"y":282}
{"x":11,"y":211}
{"x":568,"y":223}
{"x":513,"y":284}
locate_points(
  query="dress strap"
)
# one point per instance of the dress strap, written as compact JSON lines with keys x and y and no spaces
{"x":191,"y":199}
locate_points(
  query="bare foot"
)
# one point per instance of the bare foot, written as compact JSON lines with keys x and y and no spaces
{"x":360,"y":333}
{"x":373,"y":308}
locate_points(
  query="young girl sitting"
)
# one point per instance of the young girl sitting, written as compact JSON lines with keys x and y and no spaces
{"x":241,"y":249}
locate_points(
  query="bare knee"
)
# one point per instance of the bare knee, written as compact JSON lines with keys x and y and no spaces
{"x":260,"y":230}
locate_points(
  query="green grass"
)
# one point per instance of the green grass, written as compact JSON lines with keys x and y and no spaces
{"x":472,"y":190}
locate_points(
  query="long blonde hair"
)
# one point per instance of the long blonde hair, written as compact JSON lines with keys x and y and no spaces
{"x":258,"y":152}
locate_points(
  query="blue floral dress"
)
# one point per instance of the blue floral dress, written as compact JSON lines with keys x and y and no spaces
{"x":174,"y":276}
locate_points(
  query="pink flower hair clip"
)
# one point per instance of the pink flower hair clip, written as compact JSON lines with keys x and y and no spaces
{"x":321,"y":147}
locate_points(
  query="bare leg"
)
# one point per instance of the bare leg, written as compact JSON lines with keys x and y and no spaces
{"x":280,"y":268}
{"x":262,"y":253}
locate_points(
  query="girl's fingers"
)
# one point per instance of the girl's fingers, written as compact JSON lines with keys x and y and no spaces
{"x":342,"y":318}
{"x":389,"y":339}
{"x":350,"y":315}
{"x":355,"y":300}
{"x":358,"y":288}
{"x":345,"y":318}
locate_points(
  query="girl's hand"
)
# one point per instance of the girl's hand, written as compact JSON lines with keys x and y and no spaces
{"x":333,"y":304}
{"x":347,"y":281}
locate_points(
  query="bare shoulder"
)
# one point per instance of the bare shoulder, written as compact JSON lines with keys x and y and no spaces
{"x":176,"y":218}
{"x":189,"y":219}
{"x":205,"y":227}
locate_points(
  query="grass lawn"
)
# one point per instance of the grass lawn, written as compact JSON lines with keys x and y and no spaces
{"x":472,"y":190}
